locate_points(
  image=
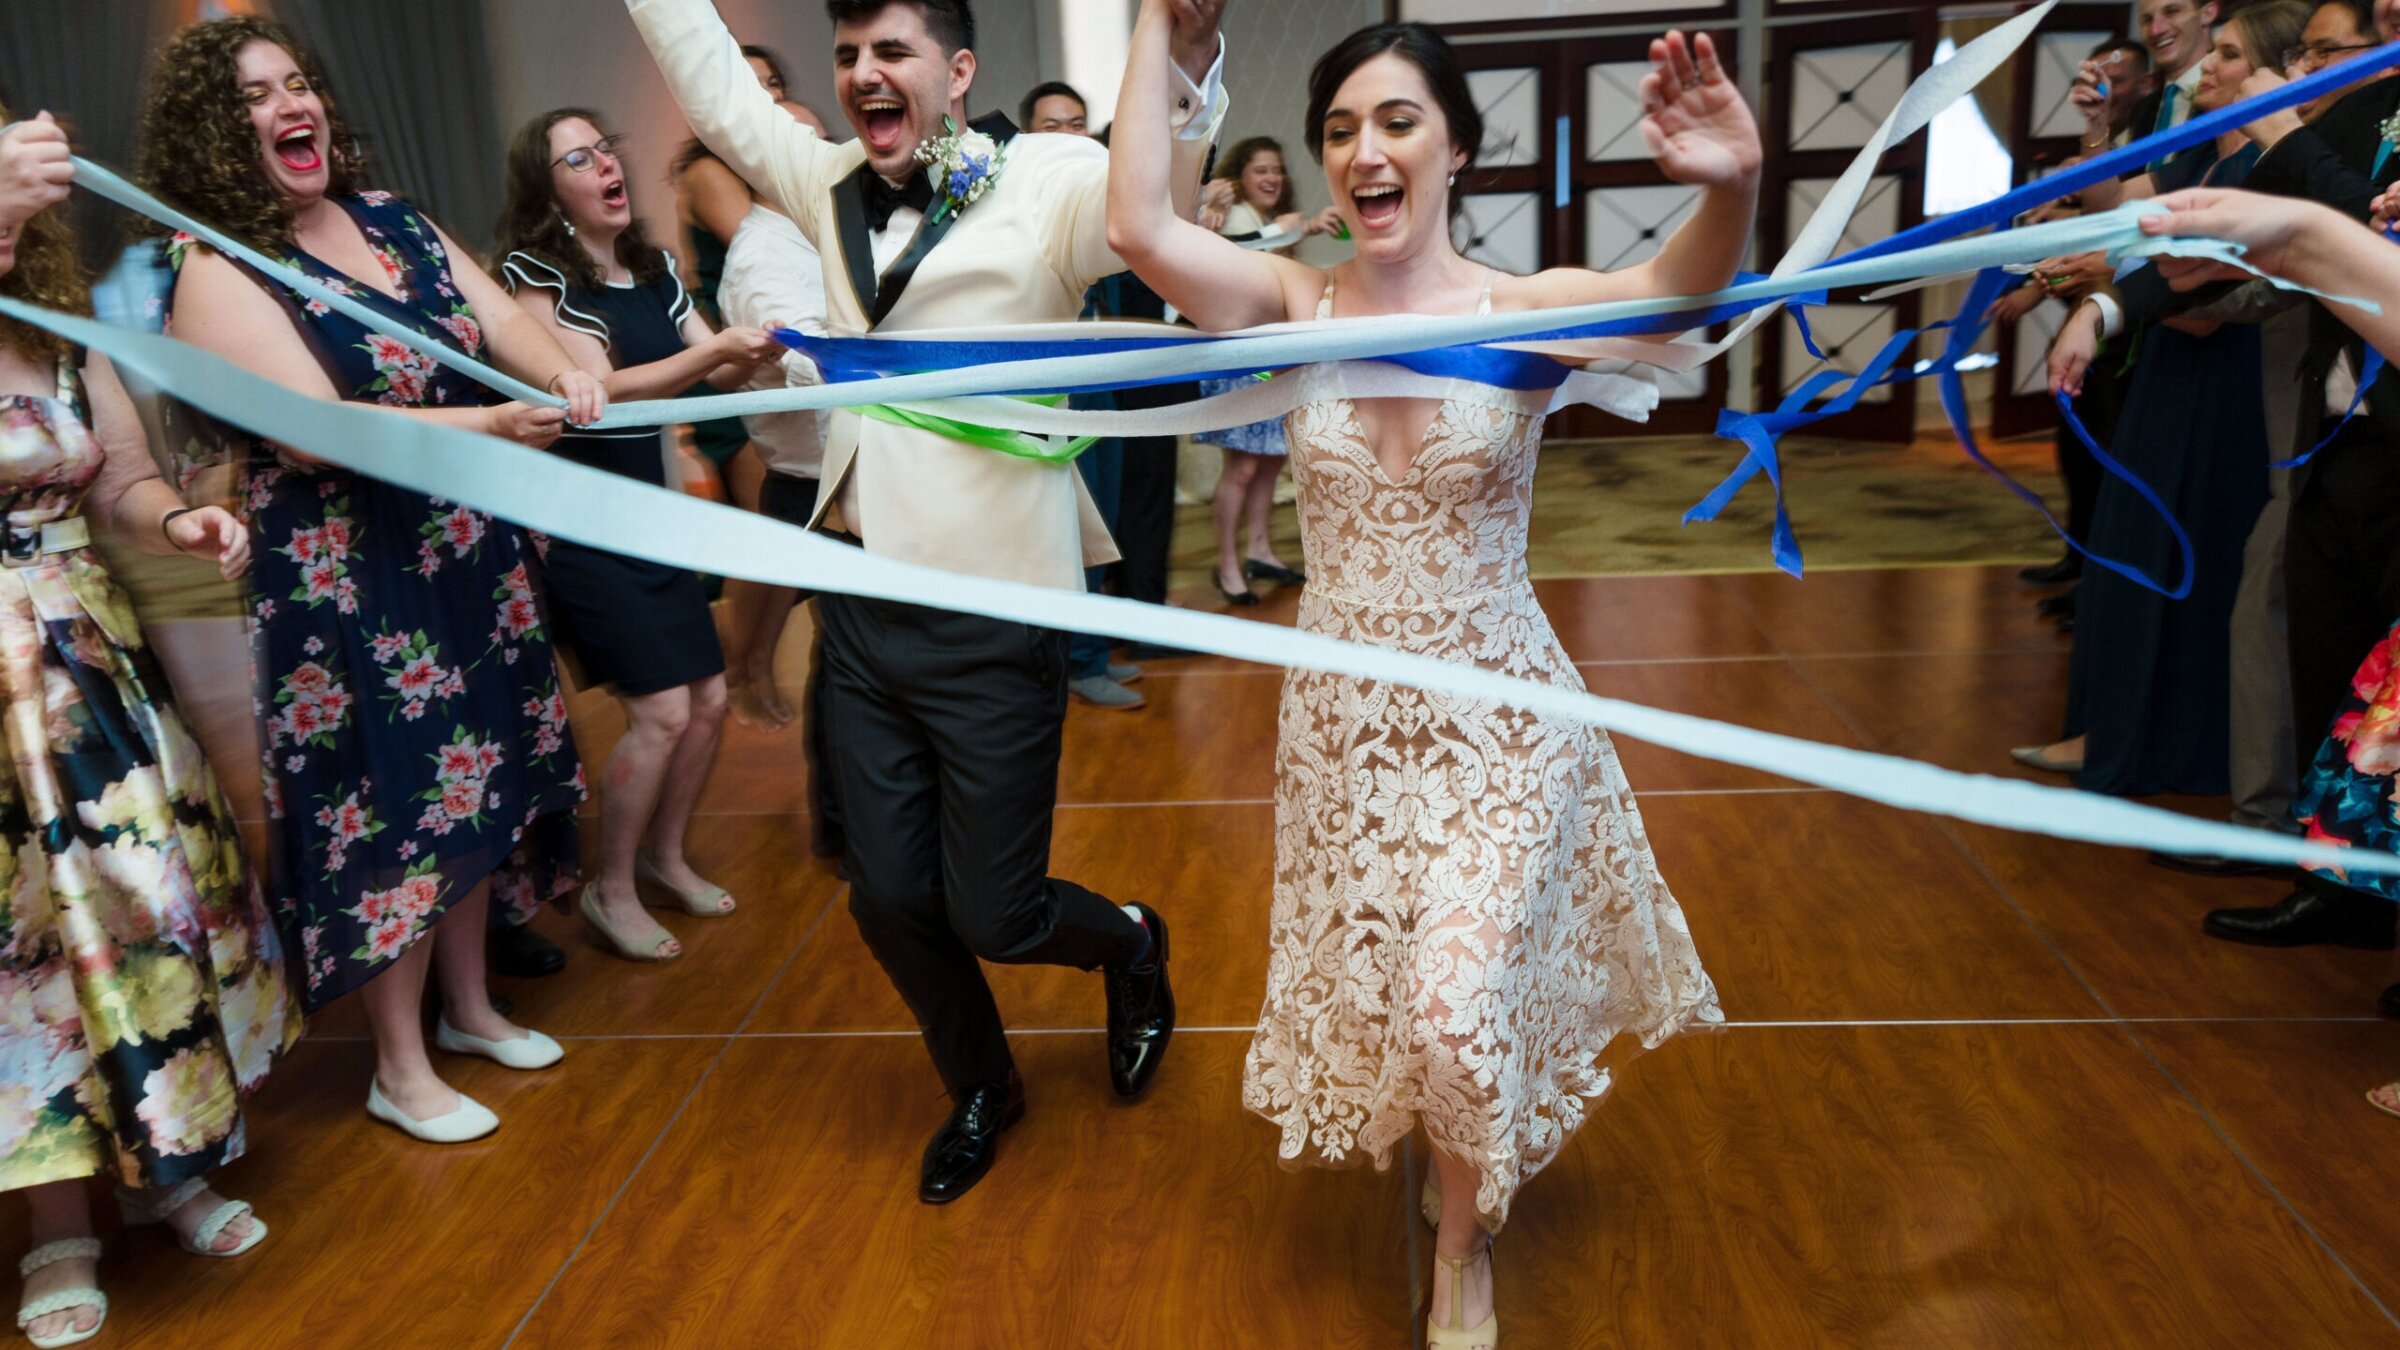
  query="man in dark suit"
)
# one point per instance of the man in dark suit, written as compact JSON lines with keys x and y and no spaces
{"x":2342,"y":559}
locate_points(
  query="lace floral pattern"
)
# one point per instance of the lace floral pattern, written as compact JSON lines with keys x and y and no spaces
{"x":1466,"y":911}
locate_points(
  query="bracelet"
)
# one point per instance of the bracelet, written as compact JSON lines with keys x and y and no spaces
{"x":552,"y":386}
{"x":169,"y":516}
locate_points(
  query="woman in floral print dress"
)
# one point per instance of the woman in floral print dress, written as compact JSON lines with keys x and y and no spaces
{"x":417,"y":761}
{"x":142,"y":988}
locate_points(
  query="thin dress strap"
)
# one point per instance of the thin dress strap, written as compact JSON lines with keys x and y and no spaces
{"x":1325,"y":301}
{"x":1483,"y":305}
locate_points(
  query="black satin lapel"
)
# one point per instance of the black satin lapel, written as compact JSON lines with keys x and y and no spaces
{"x":895,"y":281}
{"x":858,"y":251}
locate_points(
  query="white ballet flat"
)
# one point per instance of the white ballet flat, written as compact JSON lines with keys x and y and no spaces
{"x":141,"y":1210}
{"x":50,"y":1254}
{"x":533,"y":1050}
{"x":470,"y":1120}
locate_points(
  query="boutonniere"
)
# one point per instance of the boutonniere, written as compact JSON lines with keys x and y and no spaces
{"x":964,"y":164}
{"x":2391,"y":130}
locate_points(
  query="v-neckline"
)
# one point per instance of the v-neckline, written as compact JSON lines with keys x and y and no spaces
{"x":406,"y":299}
{"x":1416,"y":456}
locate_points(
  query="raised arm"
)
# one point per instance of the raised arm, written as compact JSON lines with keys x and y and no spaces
{"x":729,"y":112}
{"x":2303,"y":242}
{"x":1702,"y":134}
{"x":1218,"y":283}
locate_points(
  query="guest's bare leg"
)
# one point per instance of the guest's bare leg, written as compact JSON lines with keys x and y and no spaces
{"x":1258,"y":507}
{"x":688,"y":766}
{"x":630,"y":786}
{"x":1225,"y":509}
{"x":458,"y":962}
{"x":1461,"y":1235}
{"x":395,"y":1003}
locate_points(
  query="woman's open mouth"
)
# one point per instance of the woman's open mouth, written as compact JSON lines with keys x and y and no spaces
{"x":613,"y":194}
{"x":297,"y":148}
{"x":1378,"y":204}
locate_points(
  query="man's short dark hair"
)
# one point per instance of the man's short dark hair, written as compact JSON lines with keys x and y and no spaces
{"x":1048,"y":89}
{"x":2362,"y":13}
{"x":952,"y":22}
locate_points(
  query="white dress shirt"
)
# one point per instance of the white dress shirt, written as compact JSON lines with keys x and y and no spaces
{"x":773,"y":276}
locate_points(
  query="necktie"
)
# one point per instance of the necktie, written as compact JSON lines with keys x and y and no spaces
{"x":882,"y":199}
{"x":2166,"y":122}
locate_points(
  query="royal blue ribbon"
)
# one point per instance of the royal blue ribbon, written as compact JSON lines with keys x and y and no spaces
{"x":842,"y":360}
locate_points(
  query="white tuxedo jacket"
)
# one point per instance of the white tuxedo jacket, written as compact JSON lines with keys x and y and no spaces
{"x":1025,"y":252}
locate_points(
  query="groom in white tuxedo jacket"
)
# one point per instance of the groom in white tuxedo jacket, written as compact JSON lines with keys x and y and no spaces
{"x":943,"y":728}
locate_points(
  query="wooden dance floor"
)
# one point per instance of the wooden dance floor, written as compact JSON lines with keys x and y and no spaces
{"x":1979,"y":1089}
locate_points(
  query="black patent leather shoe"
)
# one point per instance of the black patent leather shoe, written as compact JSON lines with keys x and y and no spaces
{"x":2066,"y":569}
{"x":963,"y":1149}
{"x":1267,"y":571}
{"x":2305,"y":919}
{"x":2209,"y":865}
{"x":1141,"y":1013}
{"x":520,"y":953}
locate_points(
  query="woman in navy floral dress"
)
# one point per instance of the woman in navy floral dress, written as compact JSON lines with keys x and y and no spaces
{"x":417,"y":759}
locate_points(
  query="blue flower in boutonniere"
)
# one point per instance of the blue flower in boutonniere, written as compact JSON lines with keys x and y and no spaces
{"x":964,"y":164}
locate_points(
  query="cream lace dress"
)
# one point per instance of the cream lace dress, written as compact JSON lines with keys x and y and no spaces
{"x":1466,"y":912}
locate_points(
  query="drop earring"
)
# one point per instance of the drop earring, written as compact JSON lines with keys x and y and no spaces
{"x":570,"y":225}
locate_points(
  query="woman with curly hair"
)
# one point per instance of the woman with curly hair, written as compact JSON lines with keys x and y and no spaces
{"x":577,"y":259}
{"x":142,"y":990}
{"x":417,"y":760}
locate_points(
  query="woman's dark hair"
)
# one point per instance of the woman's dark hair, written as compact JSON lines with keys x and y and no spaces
{"x":1235,"y":162}
{"x":1421,"y":47}
{"x":198,"y":149}
{"x":531,"y":221}
{"x":952,"y":22}
{"x":48,"y":273}
{"x":693,"y":151}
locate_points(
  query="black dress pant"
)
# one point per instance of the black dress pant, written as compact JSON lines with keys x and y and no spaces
{"x":1146,"y":501}
{"x":2342,"y":578}
{"x":943,"y":730}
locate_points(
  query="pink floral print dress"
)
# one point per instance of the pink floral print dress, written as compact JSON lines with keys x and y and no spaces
{"x":409,"y":708}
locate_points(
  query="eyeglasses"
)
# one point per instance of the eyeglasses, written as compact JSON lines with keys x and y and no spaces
{"x":2317,"y":54}
{"x":583,"y":157}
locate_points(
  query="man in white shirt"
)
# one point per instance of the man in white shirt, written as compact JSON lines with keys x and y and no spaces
{"x":945,"y":728}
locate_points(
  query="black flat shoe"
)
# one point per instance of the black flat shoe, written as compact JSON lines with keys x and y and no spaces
{"x":1244,"y":596}
{"x":2306,"y":919}
{"x":2066,"y":569}
{"x":1267,"y":571}
{"x":2208,"y":865}
{"x":1141,"y":1013}
{"x":963,"y":1149}
{"x":520,"y":953}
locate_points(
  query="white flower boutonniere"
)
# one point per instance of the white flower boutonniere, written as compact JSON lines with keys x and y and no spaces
{"x":964,"y":164}
{"x":2391,"y":132}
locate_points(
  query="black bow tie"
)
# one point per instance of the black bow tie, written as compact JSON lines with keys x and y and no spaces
{"x":882,"y":199}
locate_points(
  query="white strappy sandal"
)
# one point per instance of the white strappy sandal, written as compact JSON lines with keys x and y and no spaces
{"x":87,"y":1296}
{"x":142,"y":1209}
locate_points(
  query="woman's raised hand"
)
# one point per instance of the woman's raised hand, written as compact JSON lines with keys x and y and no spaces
{"x":36,"y":170}
{"x":1693,"y":117}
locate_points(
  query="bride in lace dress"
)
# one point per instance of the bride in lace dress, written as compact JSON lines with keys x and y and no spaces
{"x":1466,"y":911}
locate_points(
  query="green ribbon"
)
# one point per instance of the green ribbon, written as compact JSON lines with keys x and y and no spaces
{"x":1022,"y":444}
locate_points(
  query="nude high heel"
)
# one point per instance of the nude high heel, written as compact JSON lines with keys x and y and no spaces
{"x":1484,"y":1335}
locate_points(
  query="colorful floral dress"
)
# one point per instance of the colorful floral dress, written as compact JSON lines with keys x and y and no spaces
{"x":414,"y":730}
{"x":142,"y":988}
{"x":2348,"y":797}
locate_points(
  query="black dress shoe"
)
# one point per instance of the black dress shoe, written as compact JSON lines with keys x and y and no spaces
{"x":2308,"y":918}
{"x":520,"y":953}
{"x":2066,"y":569}
{"x":963,"y":1149}
{"x":1141,"y":1013}
{"x":2208,"y":865}
{"x":1267,"y":571}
